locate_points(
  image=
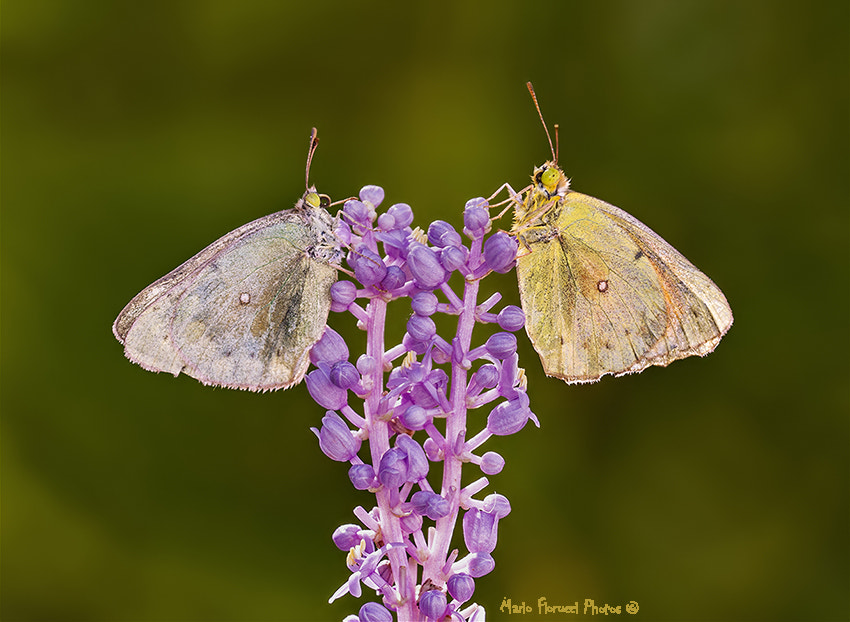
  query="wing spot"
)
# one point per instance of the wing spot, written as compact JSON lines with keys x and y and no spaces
{"x":602,"y":286}
{"x":638,"y":255}
{"x":244,"y":298}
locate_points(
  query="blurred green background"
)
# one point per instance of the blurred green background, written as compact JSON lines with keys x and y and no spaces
{"x":133,"y":134}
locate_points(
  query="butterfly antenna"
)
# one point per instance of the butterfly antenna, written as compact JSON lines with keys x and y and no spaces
{"x":314,"y":142}
{"x":546,"y":129}
{"x":557,"y":145}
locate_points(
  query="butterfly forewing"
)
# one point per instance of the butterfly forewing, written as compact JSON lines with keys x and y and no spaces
{"x":244,"y":312}
{"x":603,"y":294}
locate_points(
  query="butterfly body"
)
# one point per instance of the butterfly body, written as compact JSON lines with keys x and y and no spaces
{"x":603,"y":293}
{"x":245,"y":311}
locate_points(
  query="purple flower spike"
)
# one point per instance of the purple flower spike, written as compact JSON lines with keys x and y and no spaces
{"x":324,"y":392}
{"x":509,"y":417}
{"x":461,"y":586}
{"x":362,"y":476}
{"x":425,"y":267}
{"x":501,"y":345}
{"x":369,"y":268}
{"x":433,"y":604}
{"x":330,"y":348}
{"x":346,"y":536}
{"x":374,"y":612}
{"x":372,"y":194}
{"x":500,"y":252}
{"x":412,"y":403}
{"x":441,"y":234}
{"x":335,"y":439}
{"x":511,"y":318}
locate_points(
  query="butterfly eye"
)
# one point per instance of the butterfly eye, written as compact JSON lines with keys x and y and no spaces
{"x":313,"y":199}
{"x":550,"y":177}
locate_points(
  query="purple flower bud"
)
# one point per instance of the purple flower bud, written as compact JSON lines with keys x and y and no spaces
{"x":492,"y":463}
{"x":344,"y":375}
{"x":394,"y":278}
{"x":497,"y":504}
{"x":414,"y":418}
{"x":392,"y":471}
{"x":358,"y":212}
{"x":417,"y":347}
{"x":421,"y":327}
{"x":343,"y":293}
{"x":433,"y":604}
{"x":487,"y":376}
{"x":509,"y":416}
{"x":366,"y":364}
{"x":501,"y":345}
{"x":500,"y":252}
{"x":481,"y":564}
{"x":417,"y":463}
{"x":402,"y":215}
{"x":432,"y":450}
{"x":441,"y":233}
{"x":331,"y":348}
{"x":454,"y":257}
{"x":479,"y":531}
{"x":511,"y":318}
{"x":424,"y":303}
{"x":362,"y":476}
{"x":395,"y":242}
{"x":430,"y":504}
{"x":461,"y":586}
{"x":425,"y":267}
{"x":346,"y":536}
{"x":411,"y":522}
{"x":325,"y":393}
{"x":374,"y":612}
{"x":372,"y":194}
{"x":476,"y":218}
{"x":335,"y":439}
{"x":386,"y":222}
{"x":369,"y":268}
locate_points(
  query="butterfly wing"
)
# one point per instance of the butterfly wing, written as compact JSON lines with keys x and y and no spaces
{"x":604,"y":294}
{"x":243,"y":313}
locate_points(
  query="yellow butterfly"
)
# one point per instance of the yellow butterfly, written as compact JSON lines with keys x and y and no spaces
{"x":602,"y":292}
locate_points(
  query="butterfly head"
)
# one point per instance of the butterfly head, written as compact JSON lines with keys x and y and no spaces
{"x":549,"y":180}
{"x":312,"y":198}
